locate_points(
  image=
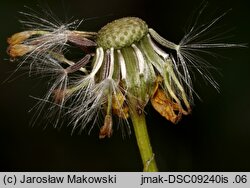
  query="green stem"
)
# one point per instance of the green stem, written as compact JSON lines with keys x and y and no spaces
{"x":143,"y":142}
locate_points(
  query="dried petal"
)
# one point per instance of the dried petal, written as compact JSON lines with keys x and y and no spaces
{"x":59,"y":95}
{"x":18,"y":38}
{"x":19,"y":50}
{"x":106,"y":129}
{"x":118,"y":106}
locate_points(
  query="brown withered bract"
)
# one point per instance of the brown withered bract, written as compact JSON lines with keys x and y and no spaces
{"x":166,"y":107}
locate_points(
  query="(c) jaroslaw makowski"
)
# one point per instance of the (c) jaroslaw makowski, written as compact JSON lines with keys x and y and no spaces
{"x":124,"y":66}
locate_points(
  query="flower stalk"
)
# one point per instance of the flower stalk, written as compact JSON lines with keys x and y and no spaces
{"x":143,"y":141}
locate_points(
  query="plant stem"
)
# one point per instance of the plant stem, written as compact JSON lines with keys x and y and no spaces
{"x":143,"y":142}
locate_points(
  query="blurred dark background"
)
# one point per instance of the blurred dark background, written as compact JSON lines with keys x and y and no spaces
{"x":216,"y":137}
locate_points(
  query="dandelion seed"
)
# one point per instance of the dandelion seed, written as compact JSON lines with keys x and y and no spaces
{"x":125,"y":67}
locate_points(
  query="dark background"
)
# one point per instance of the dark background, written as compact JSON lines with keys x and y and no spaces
{"x":216,"y":137}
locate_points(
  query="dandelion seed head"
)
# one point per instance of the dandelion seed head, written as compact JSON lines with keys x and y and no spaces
{"x":126,"y":65}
